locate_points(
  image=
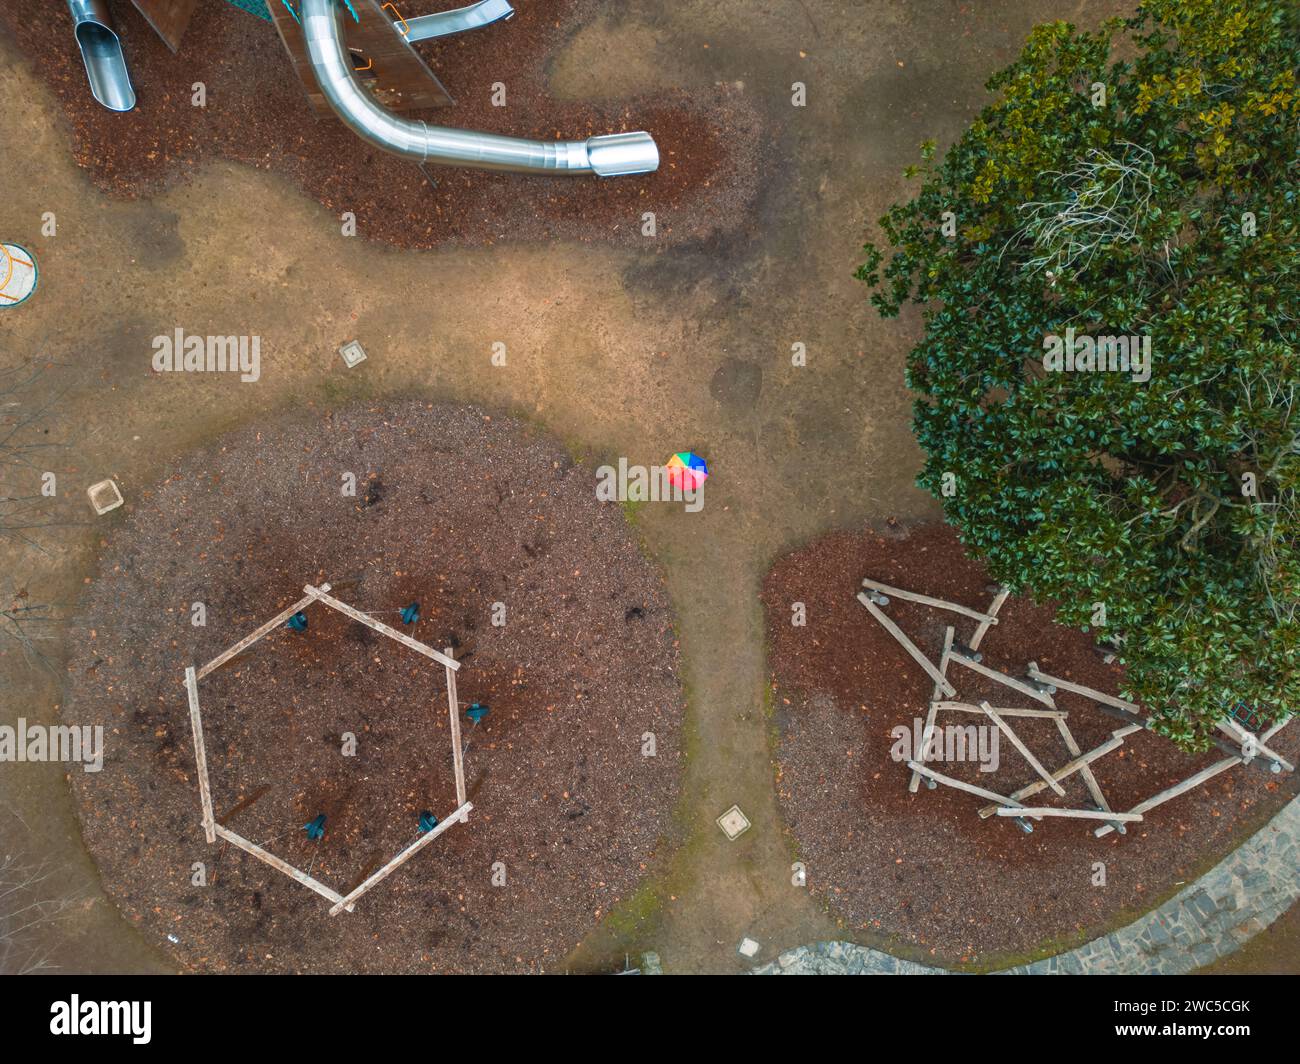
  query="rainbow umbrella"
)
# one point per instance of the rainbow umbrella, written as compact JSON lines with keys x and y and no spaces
{"x":687,"y":470}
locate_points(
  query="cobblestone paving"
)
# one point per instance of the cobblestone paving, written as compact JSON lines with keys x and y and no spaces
{"x":1231,"y":903}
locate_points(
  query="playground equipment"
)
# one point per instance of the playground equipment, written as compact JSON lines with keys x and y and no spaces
{"x":101,"y":52}
{"x":430,"y":826}
{"x":445,"y":23}
{"x":18,"y":274}
{"x":331,"y":64}
{"x":396,"y":79}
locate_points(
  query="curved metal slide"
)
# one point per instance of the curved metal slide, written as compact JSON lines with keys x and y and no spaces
{"x":605,"y":156}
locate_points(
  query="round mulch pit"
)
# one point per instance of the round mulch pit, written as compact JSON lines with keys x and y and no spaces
{"x":922,"y":873}
{"x":480,"y":521}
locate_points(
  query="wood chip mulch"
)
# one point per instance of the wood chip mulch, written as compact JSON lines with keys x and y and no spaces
{"x":457,"y":510}
{"x":922,"y":873}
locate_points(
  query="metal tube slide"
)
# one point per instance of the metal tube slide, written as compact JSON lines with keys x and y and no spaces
{"x":445,"y":23}
{"x":608,"y":156}
{"x":101,"y":52}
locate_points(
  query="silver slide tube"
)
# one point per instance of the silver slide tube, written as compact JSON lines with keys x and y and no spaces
{"x":445,"y":23}
{"x":101,"y":52}
{"x":607,"y":156}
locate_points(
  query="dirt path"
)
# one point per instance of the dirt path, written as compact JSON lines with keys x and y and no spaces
{"x":638,"y":354}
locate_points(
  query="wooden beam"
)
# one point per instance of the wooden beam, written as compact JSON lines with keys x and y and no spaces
{"x":1003,"y":678}
{"x":402,"y":79}
{"x":1034,"y":763}
{"x":1231,"y":727}
{"x":169,"y":18}
{"x":1069,"y":768}
{"x":893,"y":629}
{"x":914,"y":783}
{"x":983,"y":629}
{"x":1004,"y":711}
{"x":266,"y":629}
{"x":969,"y":788}
{"x":279,"y":865}
{"x":926,"y":600}
{"x":295,"y":45}
{"x":394,"y":74}
{"x":1178,"y":788}
{"x":1080,"y":814}
{"x":200,"y":755}
{"x":457,"y":755}
{"x":1089,"y":780}
{"x":1078,"y":689}
{"x":402,"y":858}
{"x":319,"y":594}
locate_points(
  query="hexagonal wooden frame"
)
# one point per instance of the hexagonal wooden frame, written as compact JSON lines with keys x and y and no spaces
{"x":212,"y":830}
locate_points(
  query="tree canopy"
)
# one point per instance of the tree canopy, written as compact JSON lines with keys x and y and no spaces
{"x":1138,"y":183}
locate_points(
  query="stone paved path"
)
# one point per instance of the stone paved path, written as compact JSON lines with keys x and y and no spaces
{"x":1232,"y":902}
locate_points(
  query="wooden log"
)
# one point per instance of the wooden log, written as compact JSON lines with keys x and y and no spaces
{"x":1231,"y":749}
{"x":401,"y":858}
{"x":1003,"y":678}
{"x":893,"y":629}
{"x":1231,"y":727}
{"x":1089,"y":780}
{"x":969,"y":788}
{"x":266,"y":629}
{"x":1177,"y":789}
{"x":914,"y":783}
{"x":984,"y":627}
{"x":457,"y":754}
{"x":1034,"y":763}
{"x":200,"y":755}
{"x":320,"y":596}
{"x":280,"y":866}
{"x":926,"y":600}
{"x":1004,"y":711}
{"x":1080,"y":814}
{"x":1069,"y":768}
{"x":1078,"y":689}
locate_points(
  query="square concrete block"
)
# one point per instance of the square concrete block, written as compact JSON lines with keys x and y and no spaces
{"x":104,"y":496}
{"x":733,"y":823}
{"x":353,"y":353}
{"x":748,"y":948}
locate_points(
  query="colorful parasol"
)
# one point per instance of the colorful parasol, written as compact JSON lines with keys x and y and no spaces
{"x":687,"y":470}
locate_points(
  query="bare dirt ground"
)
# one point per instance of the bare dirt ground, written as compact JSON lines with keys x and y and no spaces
{"x":633,"y":350}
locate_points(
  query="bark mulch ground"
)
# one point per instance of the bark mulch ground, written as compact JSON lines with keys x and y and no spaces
{"x":923,"y":871}
{"x":457,"y":510}
{"x":257,"y":114}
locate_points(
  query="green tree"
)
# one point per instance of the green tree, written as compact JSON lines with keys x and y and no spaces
{"x":1138,"y":180}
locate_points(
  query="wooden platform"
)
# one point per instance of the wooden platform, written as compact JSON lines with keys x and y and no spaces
{"x":399,"y":78}
{"x":169,"y":18}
